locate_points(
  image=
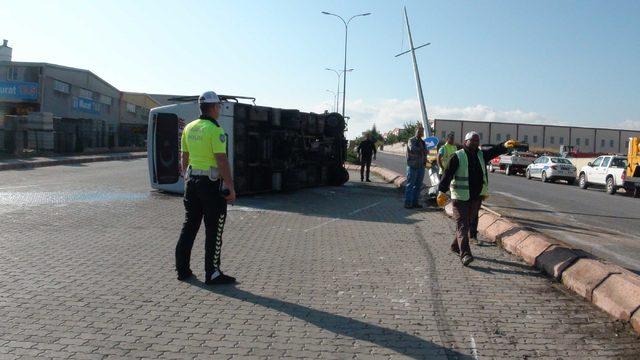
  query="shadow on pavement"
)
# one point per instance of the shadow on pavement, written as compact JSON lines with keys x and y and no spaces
{"x":403,"y":343}
{"x":527,"y":270}
{"x":504,"y":262}
{"x":353,"y":201}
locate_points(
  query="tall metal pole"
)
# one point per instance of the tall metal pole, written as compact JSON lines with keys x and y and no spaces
{"x":338,"y":73}
{"x":423,"y":108}
{"x":344,"y":69}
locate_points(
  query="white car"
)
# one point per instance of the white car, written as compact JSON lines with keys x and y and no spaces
{"x":606,"y":170}
{"x":552,"y":168}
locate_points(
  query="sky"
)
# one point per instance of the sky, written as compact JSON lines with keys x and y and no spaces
{"x":545,"y":61}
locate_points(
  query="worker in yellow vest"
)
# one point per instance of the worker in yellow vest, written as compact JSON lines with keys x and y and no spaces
{"x":445,"y":153}
{"x":208,"y":188}
{"x":466,"y":177}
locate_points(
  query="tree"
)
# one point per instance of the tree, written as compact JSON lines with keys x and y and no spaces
{"x":375,"y":135}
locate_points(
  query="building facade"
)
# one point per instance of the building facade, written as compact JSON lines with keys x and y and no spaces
{"x":540,"y":137}
{"x":63,"y":109}
{"x":134,"y":114}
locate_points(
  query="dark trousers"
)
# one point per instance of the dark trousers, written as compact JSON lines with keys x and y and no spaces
{"x":202,"y":198}
{"x":465,"y":214}
{"x":365,"y":162}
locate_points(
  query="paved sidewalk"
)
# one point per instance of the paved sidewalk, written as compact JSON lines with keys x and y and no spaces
{"x":330,"y":273}
{"x":41,"y":161}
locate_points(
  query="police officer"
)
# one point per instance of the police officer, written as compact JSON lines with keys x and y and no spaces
{"x":206,"y":169}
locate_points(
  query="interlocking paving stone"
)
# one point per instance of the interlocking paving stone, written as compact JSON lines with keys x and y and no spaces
{"x":332,"y":272}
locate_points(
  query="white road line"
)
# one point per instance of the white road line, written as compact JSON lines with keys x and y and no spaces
{"x":336,"y":219}
{"x":18,"y":187}
{"x":474,"y":351}
{"x":522,"y":199}
{"x":364,"y":208}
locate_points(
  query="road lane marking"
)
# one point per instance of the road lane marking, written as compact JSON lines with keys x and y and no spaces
{"x":336,"y":219}
{"x":474,"y":351}
{"x":18,"y":187}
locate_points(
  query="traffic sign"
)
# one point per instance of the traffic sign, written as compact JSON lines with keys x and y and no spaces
{"x":431,"y":142}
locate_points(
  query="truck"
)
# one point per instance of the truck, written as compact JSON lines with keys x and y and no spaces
{"x":605,"y":170}
{"x":269,"y":149}
{"x":631,"y":177}
{"x":515,"y":162}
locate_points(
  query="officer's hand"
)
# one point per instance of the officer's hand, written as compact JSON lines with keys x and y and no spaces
{"x":510,"y":144}
{"x":442,"y":199}
{"x":485,"y":197}
{"x":231,"y":197}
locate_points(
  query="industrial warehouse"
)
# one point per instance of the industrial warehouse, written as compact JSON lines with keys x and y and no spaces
{"x":541,"y":137}
{"x":52,"y":108}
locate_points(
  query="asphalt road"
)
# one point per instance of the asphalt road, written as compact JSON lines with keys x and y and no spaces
{"x":607,"y":226}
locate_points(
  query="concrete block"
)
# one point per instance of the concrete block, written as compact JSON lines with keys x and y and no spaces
{"x":400,"y":181}
{"x":584,"y":275}
{"x":511,"y":241}
{"x":486,"y":220}
{"x":530,"y":248}
{"x":555,"y":260}
{"x":501,"y":226}
{"x":618,"y":295}
{"x":635,"y":321}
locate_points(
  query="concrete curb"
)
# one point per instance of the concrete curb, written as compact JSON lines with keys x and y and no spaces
{"x":79,"y":160}
{"x":611,"y":288}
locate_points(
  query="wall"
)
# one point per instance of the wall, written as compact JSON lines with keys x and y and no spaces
{"x":501,"y":132}
{"x":482,"y":128}
{"x":62,"y":105}
{"x":532,"y":134}
{"x":447,"y":126}
{"x":553,"y":136}
{"x":583,"y":139}
{"x":604,"y":139}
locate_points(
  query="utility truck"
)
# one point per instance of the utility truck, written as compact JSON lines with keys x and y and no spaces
{"x":515,"y":162}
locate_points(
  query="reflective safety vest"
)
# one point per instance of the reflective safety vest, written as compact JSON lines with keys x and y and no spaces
{"x":449,"y":151}
{"x":460,"y":182}
{"x":202,"y":139}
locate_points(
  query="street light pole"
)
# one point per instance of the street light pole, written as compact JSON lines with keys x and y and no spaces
{"x":344,"y":69}
{"x":334,"y":100}
{"x":338,"y":73}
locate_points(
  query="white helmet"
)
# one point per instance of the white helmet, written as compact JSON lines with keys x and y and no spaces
{"x":208,"y":97}
{"x":470,"y":134}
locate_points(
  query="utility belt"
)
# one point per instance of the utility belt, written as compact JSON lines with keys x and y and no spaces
{"x":212,"y":173}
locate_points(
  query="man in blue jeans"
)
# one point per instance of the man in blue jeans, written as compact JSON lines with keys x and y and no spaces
{"x":416,"y":160}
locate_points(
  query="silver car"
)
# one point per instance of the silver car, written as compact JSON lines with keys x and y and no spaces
{"x":551,"y":168}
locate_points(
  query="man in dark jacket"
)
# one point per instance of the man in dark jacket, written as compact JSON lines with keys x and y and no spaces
{"x":366,"y":150}
{"x":466,"y":177}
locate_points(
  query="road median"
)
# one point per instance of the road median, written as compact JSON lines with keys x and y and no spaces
{"x":15,"y":164}
{"x":611,"y":288}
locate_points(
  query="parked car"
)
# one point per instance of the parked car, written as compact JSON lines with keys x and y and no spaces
{"x":515,"y":162}
{"x":551,"y":168}
{"x":605,"y":171}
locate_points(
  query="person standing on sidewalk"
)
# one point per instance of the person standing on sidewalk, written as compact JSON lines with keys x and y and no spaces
{"x":366,"y":150}
{"x":416,"y":160}
{"x":205,"y":163}
{"x":466,"y":177}
{"x":445,"y":153}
